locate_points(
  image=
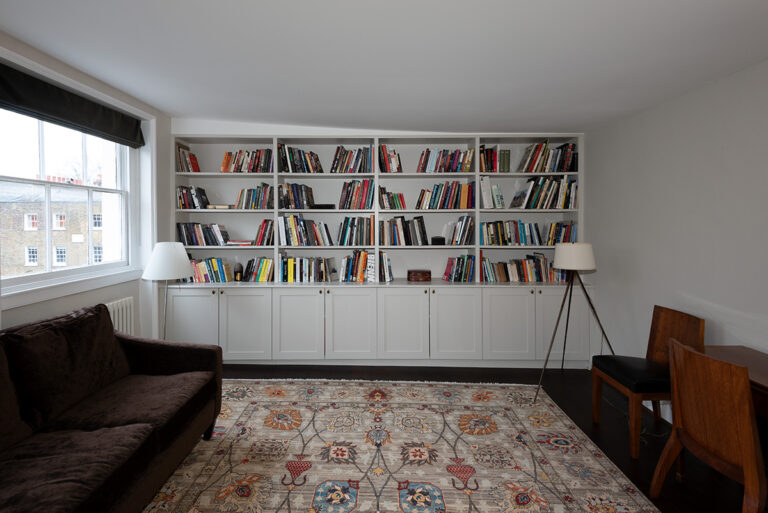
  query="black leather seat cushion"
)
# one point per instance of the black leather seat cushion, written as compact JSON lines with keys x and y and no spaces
{"x":640,"y":375}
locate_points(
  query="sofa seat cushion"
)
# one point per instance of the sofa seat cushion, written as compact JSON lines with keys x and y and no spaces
{"x":72,"y":471}
{"x":58,"y":362}
{"x":640,"y":375}
{"x":12,"y":427}
{"x":167,"y":403}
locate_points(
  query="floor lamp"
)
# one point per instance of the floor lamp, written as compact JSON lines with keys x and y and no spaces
{"x":572,"y":257}
{"x":168,"y":261}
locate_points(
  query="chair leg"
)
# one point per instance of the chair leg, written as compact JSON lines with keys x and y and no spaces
{"x":668,"y":456}
{"x":597,"y":396}
{"x":635,"y":424}
{"x":656,"y":410}
{"x":754,"y":489}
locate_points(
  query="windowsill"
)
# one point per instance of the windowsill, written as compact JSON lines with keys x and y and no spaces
{"x":23,"y":295}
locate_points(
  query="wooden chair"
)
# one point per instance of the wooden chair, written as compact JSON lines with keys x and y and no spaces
{"x":645,"y":379}
{"x":714,"y":418}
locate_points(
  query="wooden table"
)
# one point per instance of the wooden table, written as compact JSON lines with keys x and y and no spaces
{"x":757,"y":364}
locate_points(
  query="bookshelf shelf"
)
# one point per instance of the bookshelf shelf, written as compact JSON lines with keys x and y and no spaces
{"x":410,"y":153}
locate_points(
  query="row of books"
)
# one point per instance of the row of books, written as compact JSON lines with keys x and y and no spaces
{"x":445,"y":161}
{"x":189,"y":197}
{"x":186,"y":161}
{"x":389,"y":160}
{"x":494,"y":160}
{"x":358,"y":267}
{"x":385,"y":267}
{"x":295,"y":195}
{"x":541,"y":158}
{"x":210,"y":270}
{"x":356,"y":231}
{"x":259,"y":269}
{"x":247,"y":161}
{"x":196,"y":234}
{"x":535,"y":268}
{"x":460,"y":269}
{"x":296,"y":160}
{"x":518,"y":233}
{"x":447,"y":195}
{"x":547,"y":193}
{"x":265,"y":236}
{"x":357,"y":194}
{"x":305,"y":269}
{"x":353,"y":161}
{"x":400,"y":231}
{"x":490,"y":194}
{"x":461,"y":232}
{"x":260,"y":198}
{"x":391,"y":200}
{"x":294,"y":230}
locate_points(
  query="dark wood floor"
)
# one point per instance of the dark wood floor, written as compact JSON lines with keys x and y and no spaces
{"x":703,"y":490}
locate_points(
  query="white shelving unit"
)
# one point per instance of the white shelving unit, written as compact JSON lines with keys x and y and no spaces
{"x":392,"y":330}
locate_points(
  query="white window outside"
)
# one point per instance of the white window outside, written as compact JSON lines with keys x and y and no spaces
{"x":59,"y":221}
{"x":97,"y":221}
{"x":30,"y":223}
{"x":30,"y":256}
{"x":98,"y":254}
{"x":59,"y":255}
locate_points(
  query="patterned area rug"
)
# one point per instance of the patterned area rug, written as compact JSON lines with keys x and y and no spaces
{"x":343,"y":446}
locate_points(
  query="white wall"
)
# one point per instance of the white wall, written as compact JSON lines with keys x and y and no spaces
{"x":155,"y":156}
{"x":678,"y":213}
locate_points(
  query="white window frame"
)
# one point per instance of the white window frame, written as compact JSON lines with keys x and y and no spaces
{"x":55,"y":262}
{"x":28,"y":225}
{"x":27,"y":261}
{"x":59,"y":221}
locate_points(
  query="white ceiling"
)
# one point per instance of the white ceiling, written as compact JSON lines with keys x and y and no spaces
{"x":509,"y":65}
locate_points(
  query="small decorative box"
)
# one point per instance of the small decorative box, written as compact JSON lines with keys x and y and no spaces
{"x":419,"y":275}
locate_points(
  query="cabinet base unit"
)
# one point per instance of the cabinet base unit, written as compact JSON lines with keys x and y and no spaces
{"x":298,"y":323}
{"x":403,"y":323}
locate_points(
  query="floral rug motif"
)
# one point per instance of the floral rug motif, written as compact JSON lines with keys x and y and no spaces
{"x":344,"y":446}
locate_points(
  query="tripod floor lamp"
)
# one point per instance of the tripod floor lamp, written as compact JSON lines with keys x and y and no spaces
{"x":168,"y":262}
{"x":571,"y":257}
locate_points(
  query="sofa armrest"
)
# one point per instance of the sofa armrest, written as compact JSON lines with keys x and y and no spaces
{"x":157,"y":357}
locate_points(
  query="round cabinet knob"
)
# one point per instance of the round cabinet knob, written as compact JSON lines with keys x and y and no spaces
{"x":531,"y":291}
{"x":320,"y":291}
{"x":425,"y":292}
{"x":328,"y":291}
{"x":213,"y":292}
{"x":433,"y":291}
{"x":221,"y":292}
{"x":539,"y":291}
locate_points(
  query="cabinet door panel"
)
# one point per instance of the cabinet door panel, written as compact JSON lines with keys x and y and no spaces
{"x":245,"y":324}
{"x":403,"y":323}
{"x":509,"y":323}
{"x":455,"y":330}
{"x":548,"y":301}
{"x":350,"y":323}
{"x":298,"y":323}
{"x":193,"y":316}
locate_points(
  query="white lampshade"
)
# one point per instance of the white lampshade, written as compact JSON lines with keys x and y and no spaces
{"x":574,"y":256}
{"x":168,"y":262}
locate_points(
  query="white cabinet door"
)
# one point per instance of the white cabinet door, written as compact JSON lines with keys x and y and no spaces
{"x":403,"y":322}
{"x":245,"y":323}
{"x":193,"y":316}
{"x":548,"y":301}
{"x":509,"y":323}
{"x":298,"y":323}
{"x":455,"y":323}
{"x":350,"y":323}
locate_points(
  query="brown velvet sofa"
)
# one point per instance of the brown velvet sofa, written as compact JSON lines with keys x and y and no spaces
{"x":96,"y":421}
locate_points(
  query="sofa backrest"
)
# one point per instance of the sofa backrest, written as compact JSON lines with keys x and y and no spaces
{"x":12,"y":428}
{"x":57,"y":362}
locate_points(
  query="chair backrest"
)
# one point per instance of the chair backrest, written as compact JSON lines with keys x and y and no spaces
{"x":712,"y":407}
{"x":667,"y":323}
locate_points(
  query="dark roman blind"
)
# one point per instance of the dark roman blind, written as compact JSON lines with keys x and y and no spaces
{"x":33,"y":97}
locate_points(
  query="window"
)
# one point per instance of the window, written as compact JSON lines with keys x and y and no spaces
{"x":59,"y":255}
{"x":30,"y":222}
{"x":59,"y":221}
{"x":69,"y":192}
{"x":30,"y":256}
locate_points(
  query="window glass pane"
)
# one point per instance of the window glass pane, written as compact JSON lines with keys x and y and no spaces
{"x":71,"y":205}
{"x":101,"y":160}
{"x":17,"y":200}
{"x":110,"y":236}
{"x":63,"y":154}
{"x":19,"y":155}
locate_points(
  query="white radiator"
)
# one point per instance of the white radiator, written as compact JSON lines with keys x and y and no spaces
{"x":121,"y":312}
